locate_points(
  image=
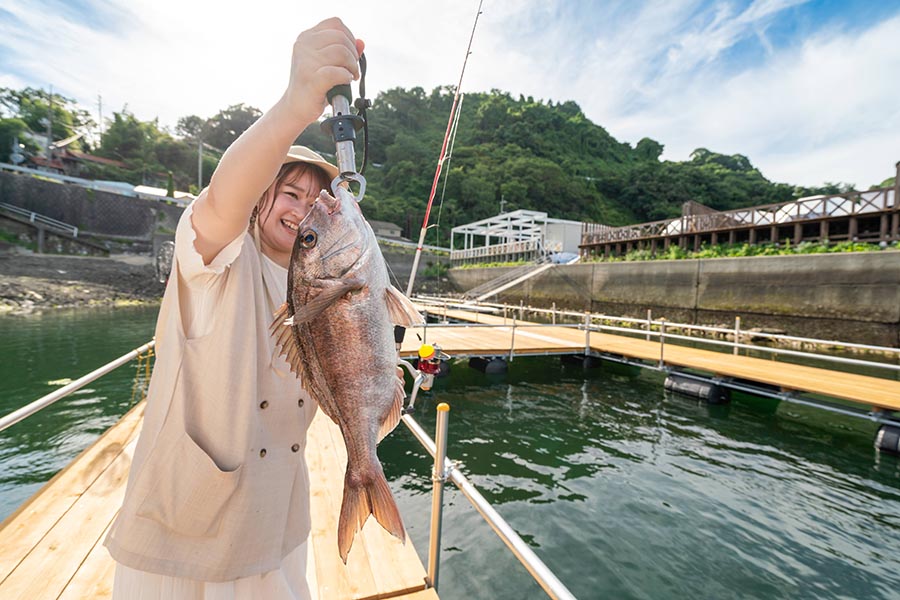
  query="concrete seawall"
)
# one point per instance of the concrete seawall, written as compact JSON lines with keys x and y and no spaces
{"x":848,"y":296}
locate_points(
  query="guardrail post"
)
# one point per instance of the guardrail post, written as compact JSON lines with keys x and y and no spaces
{"x":553,"y":317}
{"x":662,"y":343}
{"x":512,"y":339}
{"x":587,"y":333}
{"x":438,"y":477}
{"x":737,"y":335}
{"x":521,"y":310}
{"x":649,"y":322}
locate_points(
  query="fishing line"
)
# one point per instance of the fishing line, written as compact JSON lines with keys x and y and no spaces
{"x":440,"y":164}
{"x":437,"y":225}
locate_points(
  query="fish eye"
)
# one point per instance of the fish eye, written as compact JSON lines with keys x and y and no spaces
{"x":308,"y":239}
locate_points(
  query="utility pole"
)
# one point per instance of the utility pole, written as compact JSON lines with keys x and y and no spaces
{"x":100,"y":118}
{"x":199,"y":164}
{"x":49,"y":126}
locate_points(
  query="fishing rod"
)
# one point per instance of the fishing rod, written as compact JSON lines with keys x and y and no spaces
{"x":440,"y":164}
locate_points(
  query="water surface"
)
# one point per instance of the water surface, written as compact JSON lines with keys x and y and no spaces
{"x":623,"y":491}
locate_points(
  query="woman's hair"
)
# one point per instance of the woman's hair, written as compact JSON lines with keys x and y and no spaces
{"x":289,"y":173}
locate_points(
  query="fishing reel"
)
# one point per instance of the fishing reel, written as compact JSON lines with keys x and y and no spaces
{"x":342,"y":127}
{"x":429,"y":365}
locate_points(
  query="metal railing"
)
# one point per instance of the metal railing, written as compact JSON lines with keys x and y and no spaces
{"x":444,"y":469}
{"x":45,"y":401}
{"x":657,"y":328}
{"x":804,"y":209}
{"x":39,"y":219}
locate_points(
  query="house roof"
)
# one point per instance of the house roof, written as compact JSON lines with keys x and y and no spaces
{"x":95,"y":159}
{"x":382,"y":225}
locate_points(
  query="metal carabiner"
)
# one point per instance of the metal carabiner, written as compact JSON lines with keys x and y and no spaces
{"x":348,"y":177}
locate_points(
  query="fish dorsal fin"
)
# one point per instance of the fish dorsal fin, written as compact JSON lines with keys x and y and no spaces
{"x":401,"y":310}
{"x":392,"y":417}
{"x":330,"y":291}
{"x":285,"y":340}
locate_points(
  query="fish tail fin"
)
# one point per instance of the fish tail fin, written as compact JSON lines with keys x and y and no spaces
{"x":363,"y":499}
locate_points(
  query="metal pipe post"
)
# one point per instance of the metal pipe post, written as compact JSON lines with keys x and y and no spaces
{"x":649,"y":323}
{"x":587,"y":333}
{"x":512,"y":338}
{"x":662,"y":342}
{"x":737,"y":335}
{"x":438,"y":477}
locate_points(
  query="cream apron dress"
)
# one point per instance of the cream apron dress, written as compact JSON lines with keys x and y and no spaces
{"x":217,"y":504}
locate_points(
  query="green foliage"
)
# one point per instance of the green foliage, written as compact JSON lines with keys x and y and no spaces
{"x":675,"y":252}
{"x":435,"y":270}
{"x":228,"y":124}
{"x":529,"y":154}
{"x":10,"y":130}
{"x":33,"y":106}
{"x":516,"y":263}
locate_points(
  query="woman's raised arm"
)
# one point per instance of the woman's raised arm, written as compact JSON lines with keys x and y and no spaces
{"x":323,"y":57}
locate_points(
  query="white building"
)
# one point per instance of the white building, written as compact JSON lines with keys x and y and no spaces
{"x":512,"y":236}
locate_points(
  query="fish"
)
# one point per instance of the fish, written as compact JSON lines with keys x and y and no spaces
{"x":336,"y":331}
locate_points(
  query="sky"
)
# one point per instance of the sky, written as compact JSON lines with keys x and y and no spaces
{"x":807,"y":89}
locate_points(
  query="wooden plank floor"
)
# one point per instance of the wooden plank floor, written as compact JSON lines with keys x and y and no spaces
{"x":51,"y":547}
{"x":532,"y":338}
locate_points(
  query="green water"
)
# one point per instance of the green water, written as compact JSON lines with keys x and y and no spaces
{"x":623,"y":491}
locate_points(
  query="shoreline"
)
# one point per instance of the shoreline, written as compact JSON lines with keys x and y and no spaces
{"x":34,"y":283}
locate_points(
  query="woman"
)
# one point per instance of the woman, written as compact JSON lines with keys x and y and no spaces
{"x":217,"y":502}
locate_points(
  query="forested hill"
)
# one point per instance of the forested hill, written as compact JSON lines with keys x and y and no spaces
{"x":529,"y":154}
{"x":536,"y":155}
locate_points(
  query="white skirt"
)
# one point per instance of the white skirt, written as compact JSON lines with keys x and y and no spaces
{"x":292,"y":581}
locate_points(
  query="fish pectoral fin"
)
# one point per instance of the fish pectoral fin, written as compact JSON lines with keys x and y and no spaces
{"x":401,"y":309}
{"x":285,"y":340}
{"x":331,"y":291}
{"x":392,"y":416}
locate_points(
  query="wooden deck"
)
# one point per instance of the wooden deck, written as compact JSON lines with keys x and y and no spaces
{"x":51,"y":547}
{"x":532,"y":338}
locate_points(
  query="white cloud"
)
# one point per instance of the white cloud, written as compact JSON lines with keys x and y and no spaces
{"x":798,"y":115}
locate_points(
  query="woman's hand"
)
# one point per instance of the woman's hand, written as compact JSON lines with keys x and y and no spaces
{"x":324,"y":56}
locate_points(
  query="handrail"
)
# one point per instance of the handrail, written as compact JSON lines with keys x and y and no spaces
{"x":45,"y":401}
{"x":551,"y":584}
{"x":467,"y":305}
{"x":660,"y":333}
{"x":541,"y":573}
{"x":792,"y":211}
{"x":35,"y":217}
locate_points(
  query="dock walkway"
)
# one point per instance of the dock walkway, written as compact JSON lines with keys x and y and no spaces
{"x":531,"y":338}
{"x":51,"y":547}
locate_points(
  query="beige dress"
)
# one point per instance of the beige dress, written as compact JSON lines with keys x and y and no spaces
{"x":200,"y":294}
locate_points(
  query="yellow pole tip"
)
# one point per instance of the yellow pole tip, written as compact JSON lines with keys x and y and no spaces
{"x":443,"y":406}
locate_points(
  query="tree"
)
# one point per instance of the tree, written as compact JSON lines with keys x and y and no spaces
{"x":648,"y":150}
{"x":222,"y":129}
{"x":33,"y":106}
{"x":10,"y":131}
{"x":190,"y":127}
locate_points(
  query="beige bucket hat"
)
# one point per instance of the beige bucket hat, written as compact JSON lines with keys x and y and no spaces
{"x":304,"y":154}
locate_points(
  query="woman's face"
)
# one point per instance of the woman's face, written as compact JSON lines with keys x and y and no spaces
{"x":278,"y":228}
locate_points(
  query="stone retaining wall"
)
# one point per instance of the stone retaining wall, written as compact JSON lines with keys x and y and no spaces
{"x":852,"y":297}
